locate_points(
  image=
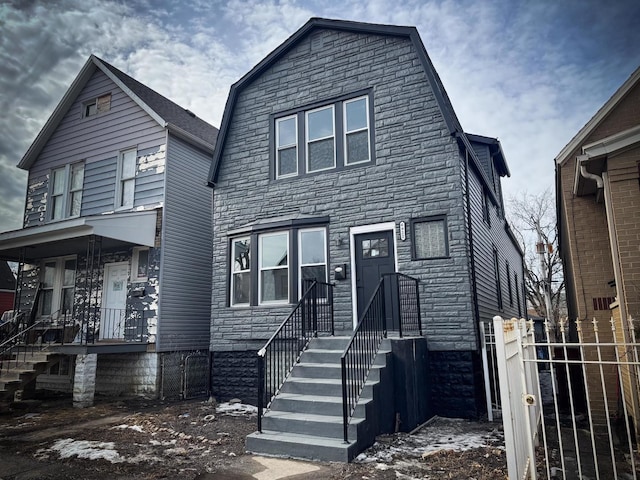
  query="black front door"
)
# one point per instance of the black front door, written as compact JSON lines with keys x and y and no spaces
{"x":374,"y":258}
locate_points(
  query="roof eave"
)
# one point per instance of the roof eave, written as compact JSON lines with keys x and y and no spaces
{"x":405,"y":31}
{"x":190,"y":138}
{"x":600,"y":115}
{"x":58,"y":113}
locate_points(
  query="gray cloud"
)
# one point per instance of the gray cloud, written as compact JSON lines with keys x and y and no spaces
{"x":529,"y":73}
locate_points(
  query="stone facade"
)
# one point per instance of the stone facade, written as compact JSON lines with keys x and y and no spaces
{"x":418,"y":170}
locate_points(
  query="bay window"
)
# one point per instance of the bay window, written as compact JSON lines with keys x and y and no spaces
{"x":270,"y":267}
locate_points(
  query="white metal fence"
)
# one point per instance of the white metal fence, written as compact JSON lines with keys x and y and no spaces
{"x":569,"y":409}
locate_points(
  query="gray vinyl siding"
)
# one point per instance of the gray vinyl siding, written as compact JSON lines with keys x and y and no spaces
{"x":416,"y":174}
{"x":185,"y":276}
{"x":96,"y":141}
{"x":485,"y":238}
{"x":99,"y":186}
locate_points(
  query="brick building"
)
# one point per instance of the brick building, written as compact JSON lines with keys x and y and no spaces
{"x":598,"y":211}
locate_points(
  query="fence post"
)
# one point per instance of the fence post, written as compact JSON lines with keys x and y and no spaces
{"x":314,"y":303}
{"x":417,"y":283}
{"x":396,"y":280}
{"x":261,"y":380}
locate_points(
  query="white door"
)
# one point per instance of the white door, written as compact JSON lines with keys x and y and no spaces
{"x":114,"y":300}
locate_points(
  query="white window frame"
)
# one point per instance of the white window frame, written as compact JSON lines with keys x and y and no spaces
{"x":234,"y":272}
{"x":285,"y":147}
{"x":135,"y":261}
{"x":308,"y":142}
{"x":347,"y":132}
{"x":58,"y":284}
{"x":300,"y":264}
{"x":121,"y":180}
{"x":261,"y":269}
{"x":67,"y":191}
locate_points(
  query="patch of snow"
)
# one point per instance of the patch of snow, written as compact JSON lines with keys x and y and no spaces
{"x":137,"y":428}
{"x":236,"y":409}
{"x":91,"y":450}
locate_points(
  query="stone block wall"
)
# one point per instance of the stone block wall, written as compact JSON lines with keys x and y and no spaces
{"x":128,"y":374}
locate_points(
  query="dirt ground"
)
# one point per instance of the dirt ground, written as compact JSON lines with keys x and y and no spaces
{"x":199,"y":440}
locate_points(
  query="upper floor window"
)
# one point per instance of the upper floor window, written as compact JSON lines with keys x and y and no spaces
{"x":323,"y":137}
{"x":66,"y":191}
{"x":356,"y":132}
{"x":321,"y":143}
{"x":97,"y":105}
{"x":126,"y":178}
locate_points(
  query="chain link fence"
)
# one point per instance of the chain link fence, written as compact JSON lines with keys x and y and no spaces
{"x":184,"y":375}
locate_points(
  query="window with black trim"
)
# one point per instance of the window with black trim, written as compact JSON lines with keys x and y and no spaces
{"x":509,"y":289}
{"x":496,"y":268}
{"x":429,"y":236}
{"x":518,"y":295}
{"x":268,"y":267}
{"x":322,"y":137}
{"x":486,"y":214}
{"x":66,"y":186}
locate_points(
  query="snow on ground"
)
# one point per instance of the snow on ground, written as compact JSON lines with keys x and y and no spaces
{"x":437,"y":435}
{"x":236,"y":409}
{"x":137,"y":428}
{"x":68,"y":447}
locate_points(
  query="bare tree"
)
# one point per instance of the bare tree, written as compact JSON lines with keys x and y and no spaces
{"x":534,"y":224}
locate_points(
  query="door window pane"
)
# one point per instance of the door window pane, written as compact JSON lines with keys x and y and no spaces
{"x":376,"y":247}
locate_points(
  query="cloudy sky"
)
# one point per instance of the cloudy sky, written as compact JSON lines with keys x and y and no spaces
{"x":530,"y":73}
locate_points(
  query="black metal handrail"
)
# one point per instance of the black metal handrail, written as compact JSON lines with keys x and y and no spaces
{"x":360,"y":353}
{"x":312,"y":314}
{"x":407,"y":303}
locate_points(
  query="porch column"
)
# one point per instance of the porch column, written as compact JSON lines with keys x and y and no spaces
{"x":84,"y":380}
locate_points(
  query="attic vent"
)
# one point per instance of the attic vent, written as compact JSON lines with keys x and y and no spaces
{"x":316,"y":42}
{"x":602,"y":303}
{"x":190,"y":113}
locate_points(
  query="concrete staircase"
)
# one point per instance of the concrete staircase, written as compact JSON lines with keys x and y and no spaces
{"x":18,"y":375}
{"x":305,"y":418}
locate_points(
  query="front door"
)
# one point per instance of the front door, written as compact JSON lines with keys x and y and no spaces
{"x":374,"y":257}
{"x":114,"y":300}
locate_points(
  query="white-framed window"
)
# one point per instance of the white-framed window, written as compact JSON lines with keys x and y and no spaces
{"x":58,"y":277}
{"x":66,"y":191}
{"x":126,"y":178}
{"x":240,"y":271}
{"x":139,"y":264}
{"x":312,"y":256}
{"x":273,"y":261}
{"x":286,"y":147}
{"x":96,"y":105}
{"x":356,"y":131}
{"x":321,"y":142}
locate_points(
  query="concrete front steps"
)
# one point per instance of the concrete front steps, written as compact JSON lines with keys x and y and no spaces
{"x":15,"y":376}
{"x":305,"y":418}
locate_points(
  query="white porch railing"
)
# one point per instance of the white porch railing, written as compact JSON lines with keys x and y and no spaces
{"x":569,"y":409}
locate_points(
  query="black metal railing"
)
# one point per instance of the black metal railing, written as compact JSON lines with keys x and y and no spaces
{"x":115,"y":324}
{"x":396,"y":298}
{"x":361,"y":351}
{"x":312,"y":314}
{"x":406,"y":302}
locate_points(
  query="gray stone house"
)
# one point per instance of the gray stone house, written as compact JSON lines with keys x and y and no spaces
{"x":340,"y":158}
{"x":114,"y":272}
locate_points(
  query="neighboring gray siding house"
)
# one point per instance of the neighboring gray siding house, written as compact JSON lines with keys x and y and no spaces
{"x":342,"y":145}
{"x":115,"y":250}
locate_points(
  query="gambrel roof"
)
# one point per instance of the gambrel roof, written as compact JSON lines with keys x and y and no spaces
{"x":356,"y":27}
{"x":168,"y":114}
